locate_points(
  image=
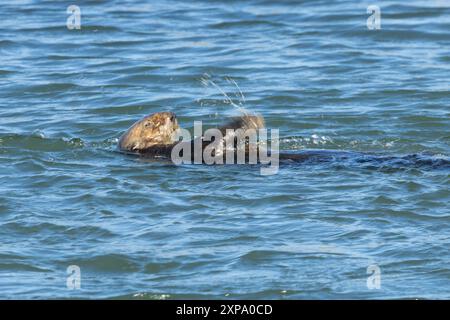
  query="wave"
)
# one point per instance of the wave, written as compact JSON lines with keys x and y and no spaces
{"x":37,"y":141}
{"x":368,"y":160}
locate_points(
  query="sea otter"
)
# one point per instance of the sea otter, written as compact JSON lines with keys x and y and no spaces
{"x":153,"y":135}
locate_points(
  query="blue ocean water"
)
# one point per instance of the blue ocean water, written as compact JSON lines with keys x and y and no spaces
{"x":150,"y":230}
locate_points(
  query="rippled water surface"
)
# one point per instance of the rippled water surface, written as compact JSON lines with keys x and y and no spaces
{"x":149,"y":229}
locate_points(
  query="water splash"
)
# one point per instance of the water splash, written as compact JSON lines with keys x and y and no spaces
{"x":207,"y":81}
{"x":239,"y":105}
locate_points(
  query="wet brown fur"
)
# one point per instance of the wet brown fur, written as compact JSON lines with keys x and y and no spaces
{"x":152,"y":135}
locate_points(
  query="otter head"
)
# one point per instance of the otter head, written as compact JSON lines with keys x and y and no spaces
{"x":155,"y":129}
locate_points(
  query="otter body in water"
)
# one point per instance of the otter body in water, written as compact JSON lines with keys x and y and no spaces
{"x":152,"y":137}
